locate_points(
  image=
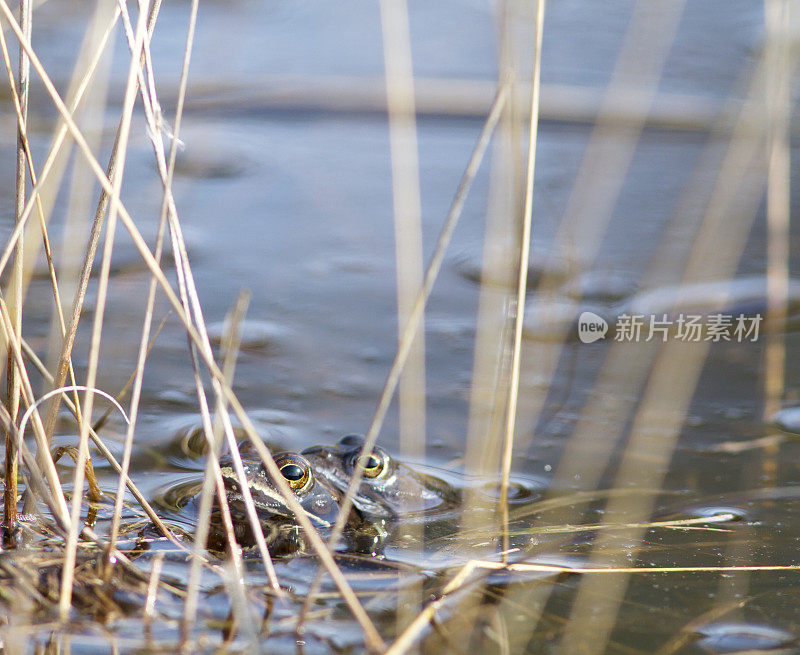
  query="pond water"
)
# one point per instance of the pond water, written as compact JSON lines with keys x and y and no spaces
{"x":295,"y":206}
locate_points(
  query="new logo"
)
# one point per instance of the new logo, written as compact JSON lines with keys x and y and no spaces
{"x":591,"y":327}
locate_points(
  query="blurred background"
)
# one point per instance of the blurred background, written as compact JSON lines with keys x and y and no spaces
{"x":662,"y":187}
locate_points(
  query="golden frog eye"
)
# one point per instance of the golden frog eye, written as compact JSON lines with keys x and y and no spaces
{"x":375,"y":465}
{"x":295,"y":470}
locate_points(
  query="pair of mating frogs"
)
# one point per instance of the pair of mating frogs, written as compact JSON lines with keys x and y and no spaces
{"x":319,"y":477}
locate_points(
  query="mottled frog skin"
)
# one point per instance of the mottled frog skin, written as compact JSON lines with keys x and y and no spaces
{"x":278,"y":524}
{"x":315,"y":495}
{"x":319,"y":477}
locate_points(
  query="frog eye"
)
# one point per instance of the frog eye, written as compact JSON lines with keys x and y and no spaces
{"x":295,"y":470}
{"x":377,"y":462}
{"x":376,"y":465}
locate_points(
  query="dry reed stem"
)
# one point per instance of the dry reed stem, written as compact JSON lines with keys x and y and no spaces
{"x":777,"y":108}
{"x":678,"y":524}
{"x":189,"y":294}
{"x":148,"y":611}
{"x":395,"y":33}
{"x":597,"y":185}
{"x":778,"y":111}
{"x":186,"y":285}
{"x":716,"y":251}
{"x":56,"y":500}
{"x":589,"y":208}
{"x":406,"y":195}
{"x":103,"y":204}
{"x":212,"y":484}
{"x":600,"y":570}
{"x":431,"y":273}
{"x":522,"y":280}
{"x":625,"y":369}
{"x":458,"y":582}
{"x":602,"y":171}
{"x":144,"y":348}
{"x":58,"y":141}
{"x":11,"y":457}
{"x":31,"y":170}
{"x":105,"y":452}
{"x":372,"y":636}
{"x":90,"y":116}
{"x":50,"y":165}
{"x":102,"y":289}
{"x":491,"y":352}
{"x":46,"y":196}
{"x":15,"y":306}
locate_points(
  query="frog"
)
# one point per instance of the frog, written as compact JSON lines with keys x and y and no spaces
{"x":389,"y":489}
{"x":319,"y":477}
{"x":281,"y":530}
{"x":318,"y":498}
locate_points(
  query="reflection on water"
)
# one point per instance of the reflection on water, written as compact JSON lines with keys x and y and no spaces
{"x":733,"y":638}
